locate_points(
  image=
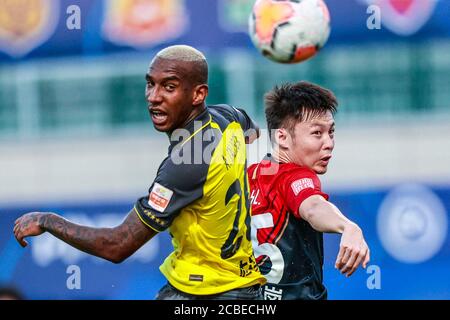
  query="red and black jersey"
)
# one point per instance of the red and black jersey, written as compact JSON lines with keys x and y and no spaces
{"x":288,"y":250}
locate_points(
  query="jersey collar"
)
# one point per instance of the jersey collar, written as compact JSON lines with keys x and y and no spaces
{"x":192,"y":128}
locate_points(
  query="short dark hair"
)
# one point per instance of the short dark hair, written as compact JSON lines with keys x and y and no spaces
{"x":291,"y":103}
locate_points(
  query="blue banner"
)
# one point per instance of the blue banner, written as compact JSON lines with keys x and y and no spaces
{"x":46,"y":28}
{"x":406,"y":228}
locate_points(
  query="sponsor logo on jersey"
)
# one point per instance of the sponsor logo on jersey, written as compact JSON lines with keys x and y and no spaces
{"x":404,"y":17}
{"x":144,"y":23}
{"x":159,"y":197}
{"x":302,"y":184}
{"x":26,"y":24}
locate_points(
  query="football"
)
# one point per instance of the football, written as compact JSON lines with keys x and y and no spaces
{"x":289,"y":31}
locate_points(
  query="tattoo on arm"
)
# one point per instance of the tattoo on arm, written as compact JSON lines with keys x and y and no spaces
{"x":114,"y":244}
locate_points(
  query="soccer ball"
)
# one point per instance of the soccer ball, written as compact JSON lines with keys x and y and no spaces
{"x":289,"y":31}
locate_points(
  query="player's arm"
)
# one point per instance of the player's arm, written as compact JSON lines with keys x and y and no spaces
{"x":324,"y":216}
{"x":113,"y":244}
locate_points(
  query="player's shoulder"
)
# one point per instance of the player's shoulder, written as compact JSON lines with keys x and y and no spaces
{"x":293,"y":169}
{"x":224,"y":111}
{"x":222,"y":107}
{"x":280,"y":169}
{"x":291,"y":173}
{"x":251,"y":170}
{"x":299,"y":178}
{"x":252,"y":167}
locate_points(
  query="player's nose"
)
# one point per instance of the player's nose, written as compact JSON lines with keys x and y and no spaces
{"x":329,"y":143}
{"x":153,"y":96}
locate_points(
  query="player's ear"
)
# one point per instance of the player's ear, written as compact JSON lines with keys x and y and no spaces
{"x":282,"y":137}
{"x":200,"y":94}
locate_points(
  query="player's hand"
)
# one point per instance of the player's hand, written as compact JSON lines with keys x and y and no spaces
{"x":353,"y":250}
{"x":28,"y":225}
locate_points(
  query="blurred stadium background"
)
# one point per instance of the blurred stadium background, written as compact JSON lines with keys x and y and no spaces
{"x":75,"y":136}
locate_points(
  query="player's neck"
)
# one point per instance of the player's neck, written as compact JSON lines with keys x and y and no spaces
{"x":281,"y":156}
{"x":194,"y":114}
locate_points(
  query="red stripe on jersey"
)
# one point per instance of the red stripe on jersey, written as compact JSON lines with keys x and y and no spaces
{"x":278,"y":227}
{"x":286,"y":221}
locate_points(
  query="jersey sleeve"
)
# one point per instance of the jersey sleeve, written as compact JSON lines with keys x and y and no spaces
{"x":175,"y":187}
{"x":298,"y":186}
{"x":236,"y":114}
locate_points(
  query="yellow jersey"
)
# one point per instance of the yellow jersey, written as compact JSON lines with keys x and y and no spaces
{"x":200,"y":195}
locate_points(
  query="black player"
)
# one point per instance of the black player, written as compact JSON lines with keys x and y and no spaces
{"x":200,"y":193}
